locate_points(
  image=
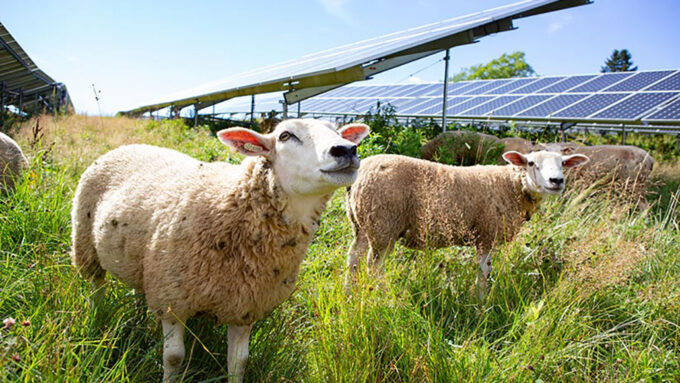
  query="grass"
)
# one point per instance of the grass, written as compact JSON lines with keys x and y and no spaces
{"x":588,"y":291}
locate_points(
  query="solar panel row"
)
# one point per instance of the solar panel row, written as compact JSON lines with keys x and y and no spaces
{"x":611,"y":96}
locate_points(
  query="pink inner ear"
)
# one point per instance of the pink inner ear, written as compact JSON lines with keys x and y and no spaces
{"x":514,"y":158}
{"x":244,"y":141}
{"x":353,"y":133}
{"x":574,"y":161}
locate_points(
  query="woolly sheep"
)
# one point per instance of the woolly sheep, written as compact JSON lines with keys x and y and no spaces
{"x":629,"y":166}
{"x":464,"y":146}
{"x":431,"y":205}
{"x":213,"y":238}
{"x":12,"y":163}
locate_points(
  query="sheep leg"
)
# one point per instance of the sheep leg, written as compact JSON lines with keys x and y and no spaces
{"x":359,"y":248}
{"x":483,"y":274}
{"x":377,"y":252}
{"x":237,"y":354}
{"x":173,"y":348}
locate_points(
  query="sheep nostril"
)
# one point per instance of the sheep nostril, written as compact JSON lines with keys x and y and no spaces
{"x":557,"y":181}
{"x":343,"y":151}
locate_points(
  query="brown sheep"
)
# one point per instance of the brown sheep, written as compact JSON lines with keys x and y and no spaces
{"x":431,"y":205}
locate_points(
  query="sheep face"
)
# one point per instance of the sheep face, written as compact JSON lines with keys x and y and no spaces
{"x":544,"y":169}
{"x":310,"y":157}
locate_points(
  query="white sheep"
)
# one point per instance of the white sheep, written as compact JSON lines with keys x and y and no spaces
{"x":431,"y":205}
{"x":12,"y":163}
{"x":211,"y":237}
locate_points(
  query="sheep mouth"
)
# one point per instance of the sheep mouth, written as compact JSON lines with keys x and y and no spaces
{"x":554,"y":190}
{"x":343,"y":169}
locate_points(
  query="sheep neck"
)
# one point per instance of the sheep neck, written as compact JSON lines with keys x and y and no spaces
{"x":530,"y":199}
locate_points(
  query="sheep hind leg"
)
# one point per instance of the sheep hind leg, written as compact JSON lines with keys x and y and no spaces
{"x":358,"y":249}
{"x":173,"y":349}
{"x":483,"y":274}
{"x":237,"y":353}
{"x":377,"y":252}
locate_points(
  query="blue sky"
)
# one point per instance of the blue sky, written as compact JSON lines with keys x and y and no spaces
{"x":137,"y":52}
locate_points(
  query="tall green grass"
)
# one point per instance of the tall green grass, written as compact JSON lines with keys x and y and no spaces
{"x":588,"y":291}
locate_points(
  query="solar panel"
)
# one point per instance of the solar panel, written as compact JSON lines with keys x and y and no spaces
{"x":519,"y":105}
{"x":537,"y":85}
{"x":552,"y":105}
{"x":490,"y":106}
{"x":422,"y":89}
{"x":458,"y":108}
{"x":567,"y":84}
{"x":489,"y":85}
{"x":417,"y":107}
{"x":518,"y":83}
{"x":601,"y":82}
{"x":670,"y":83}
{"x":591,"y":105}
{"x":634,"y":106}
{"x":432,"y":107}
{"x":467,"y":86}
{"x":638,"y":81}
{"x":668,"y":112}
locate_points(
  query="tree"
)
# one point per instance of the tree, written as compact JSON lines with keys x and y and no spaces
{"x":620,"y":61}
{"x":506,"y":66}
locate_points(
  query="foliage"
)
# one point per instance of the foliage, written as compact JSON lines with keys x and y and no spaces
{"x":588,"y":291}
{"x":506,"y":66}
{"x":619,"y":61}
{"x":388,"y":136}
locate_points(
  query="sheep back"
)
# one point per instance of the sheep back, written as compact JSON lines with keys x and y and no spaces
{"x":12,"y":163}
{"x":432,"y":205}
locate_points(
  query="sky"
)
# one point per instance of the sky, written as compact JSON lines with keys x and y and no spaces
{"x":139,"y":52}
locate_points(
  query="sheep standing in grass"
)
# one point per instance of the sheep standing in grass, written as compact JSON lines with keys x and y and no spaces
{"x":431,"y":205}
{"x":217,"y":238}
{"x":12,"y":163}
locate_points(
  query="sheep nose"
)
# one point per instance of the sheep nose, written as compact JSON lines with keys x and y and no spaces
{"x":557,"y":181}
{"x":343,"y":151}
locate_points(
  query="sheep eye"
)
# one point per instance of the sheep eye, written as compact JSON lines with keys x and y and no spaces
{"x":531,"y":163}
{"x":283,"y":137}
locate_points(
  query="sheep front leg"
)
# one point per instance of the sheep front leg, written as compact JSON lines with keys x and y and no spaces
{"x":173,"y":348}
{"x":237,"y":353}
{"x":483,"y":273}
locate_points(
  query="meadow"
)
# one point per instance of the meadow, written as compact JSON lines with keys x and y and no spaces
{"x":588,"y":291}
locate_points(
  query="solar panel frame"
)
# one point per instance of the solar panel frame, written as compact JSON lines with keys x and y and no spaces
{"x":601,"y":82}
{"x":591,"y":105}
{"x":669,"y":83}
{"x":669,"y":112}
{"x":639,"y":81}
{"x":625,"y":109}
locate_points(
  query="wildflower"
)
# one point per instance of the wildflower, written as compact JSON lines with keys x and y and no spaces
{"x":8,"y":322}
{"x":16,"y":358}
{"x":26,"y":323}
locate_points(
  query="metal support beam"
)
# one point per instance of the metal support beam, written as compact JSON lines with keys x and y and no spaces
{"x":196,"y":115}
{"x":446,"y":82}
{"x":3,"y":87}
{"x":298,"y":115}
{"x":252,"y":109}
{"x":623,"y":134}
{"x":563,"y":128}
{"x":285,"y":109}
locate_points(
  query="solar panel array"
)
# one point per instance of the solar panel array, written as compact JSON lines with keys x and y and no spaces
{"x":609,"y":97}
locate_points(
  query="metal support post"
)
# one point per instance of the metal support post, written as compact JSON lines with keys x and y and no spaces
{"x":252,"y":109}
{"x":299,"y":116}
{"x":446,"y":82}
{"x":623,"y":134}
{"x":285,"y":109}
{"x":195,"y":115}
{"x":3,"y":86}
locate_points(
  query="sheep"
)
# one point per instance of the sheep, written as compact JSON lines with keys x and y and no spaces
{"x":12,"y":163}
{"x":628,"y":166}
{"x":464,"y":147}
{"x":432,"y":205}
{"x":215,"y":238}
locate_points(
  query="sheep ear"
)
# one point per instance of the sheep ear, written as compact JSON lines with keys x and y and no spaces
{"x":515,"y":158}
{"x":354,"y":132}
{"x":246,"y":141}
{"x":574,"y":160}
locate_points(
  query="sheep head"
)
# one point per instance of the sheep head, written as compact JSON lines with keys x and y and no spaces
{"x":309,"y":157}
{"x":544,"y":169}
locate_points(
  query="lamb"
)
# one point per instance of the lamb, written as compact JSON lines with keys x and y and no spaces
{"x":213,"y":238}
{"x":464,"y":147}
{"x":12,"y":163}
{"x":431,"y":205}
{"x":628,"y":166}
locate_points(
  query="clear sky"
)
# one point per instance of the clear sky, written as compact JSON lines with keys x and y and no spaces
{"x":137,"y":52}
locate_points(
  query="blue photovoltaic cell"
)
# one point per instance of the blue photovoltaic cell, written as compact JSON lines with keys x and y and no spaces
{"x":423,"y":89}
{"x":422,"y":105}
{"x":338,"y":92}
{"x":392,"y":90}
{"x":401,"y":106}
{"x":519,"y":105}
{"x":488,"y":86}
{"x":342,"y":105}
{"x":490,"y":106}
{"x":634,"y":106}
{"x":436,"y":91}
{"x":591,"y":105}
{"x":601,"y":82}
{"x":371,"y":91}
{"x":671,"y":83}
{"x":469,"y":85}
{"x":638,"y":81}
{"x":404,"y":90}
{"x":456,"y":109}
{"x":538,"y":84}
{"x":454,"y":86}
{"x":433,"y":106}
{"x":567,"y":84}
{"x":512,"y":86}
{"x":668,"y":112}
{"x":553,"y":105}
